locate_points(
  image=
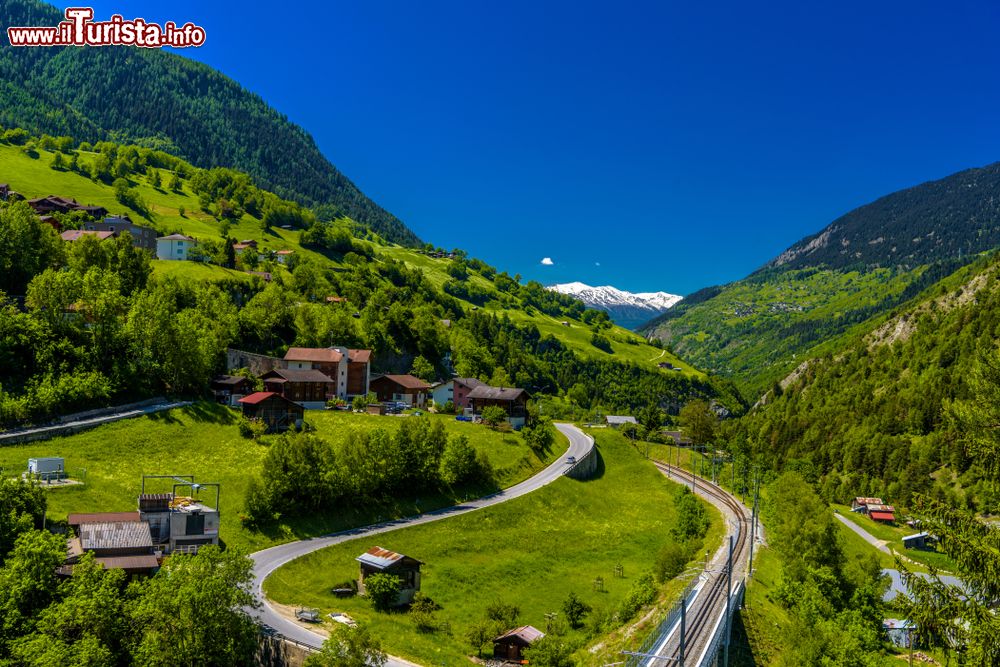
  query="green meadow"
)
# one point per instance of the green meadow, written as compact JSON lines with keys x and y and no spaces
{"x":203,"y":440}
{"x":531,"y":552}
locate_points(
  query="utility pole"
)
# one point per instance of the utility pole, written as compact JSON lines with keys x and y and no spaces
{"x":753,"y":529}
{"x":729,"y":603}
{"x":683,"y":626}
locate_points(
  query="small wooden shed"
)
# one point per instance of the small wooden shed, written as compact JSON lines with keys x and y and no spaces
{"x":510,"y":645}
{"x":382,"y":561}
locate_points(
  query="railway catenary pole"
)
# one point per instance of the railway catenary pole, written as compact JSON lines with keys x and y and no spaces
{"x":729,"y":602}
{"x":753,"y":531}
{"x":683,"y":627}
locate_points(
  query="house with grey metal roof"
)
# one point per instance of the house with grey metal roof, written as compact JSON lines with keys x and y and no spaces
{"x":619,"y":420}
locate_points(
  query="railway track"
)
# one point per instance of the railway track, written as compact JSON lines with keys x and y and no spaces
{"x":709,"y":603}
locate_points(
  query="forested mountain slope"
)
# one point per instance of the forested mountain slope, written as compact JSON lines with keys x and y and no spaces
{"x":876,"y":417}
{"x":165,"y":101}
{"x":863,"y":264}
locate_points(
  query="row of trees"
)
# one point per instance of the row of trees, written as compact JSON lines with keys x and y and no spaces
{"x":303,"y":473}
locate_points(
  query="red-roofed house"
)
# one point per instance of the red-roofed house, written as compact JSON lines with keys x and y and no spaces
{"x":283,"y":255}
{"x":273,"y":409}
{"x":401,"y":388}
{"x":309,"y":388}
{"x":349,"y":369}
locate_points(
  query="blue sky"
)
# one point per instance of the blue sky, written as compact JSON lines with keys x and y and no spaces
{"x":649,"y":145}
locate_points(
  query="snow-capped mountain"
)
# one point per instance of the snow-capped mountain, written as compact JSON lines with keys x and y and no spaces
{"x":626,"y":308}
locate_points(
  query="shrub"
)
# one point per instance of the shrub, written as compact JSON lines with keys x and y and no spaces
{"x":643,"y":592}
{"x":448,"y":408}
{"x":494,"y":415}
{"x":671,"y":559}
{"x":382,"y":590}
{"x":575,"y":610}
{"x":252,"y":429}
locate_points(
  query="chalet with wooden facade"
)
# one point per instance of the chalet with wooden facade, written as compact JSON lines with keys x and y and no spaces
{"x":378,"y":560}
{"x":229,"y":389}
{"x":350,"y":370}
{"x":514,"y":401}
{"x":401,"y":389}
{"x":510,"y":645}
{"x":53,"y":204}
{"x":279,"y":413}
{"x":309,"y":388}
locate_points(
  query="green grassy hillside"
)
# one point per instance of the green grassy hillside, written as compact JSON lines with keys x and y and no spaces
{"x":31,"y":174}
{"x":203,"y":440}
{"x":532,"y":552}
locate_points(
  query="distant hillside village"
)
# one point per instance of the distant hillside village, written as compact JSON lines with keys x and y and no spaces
{"x":277,"y":391}
{"x":74,"y":221}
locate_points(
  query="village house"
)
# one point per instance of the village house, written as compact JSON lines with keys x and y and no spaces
{"x":382,"y":561}
{"x":248,"y":244}
{"x":617,"y":421}
{"x":279,"y":413}
{"x":54,"y":204}
{"x":679,"y":438}
{"x":71,"y":235}
{"x":282,"y":256}
{"x":178,"y":523}
{"x":309,"y":388}
{"x":918,"y":540}
{"x":400,"y":388}
{"x":229,"y":389}
{"x":861,"y":504}
{"x":455,"y":390}
{"x":173,"y":247}
{"x":142,"y":237}
{"x":514,"y":401}
{"x":336,"y":299}
{"x":510,"y":645}
{"x":117,"y":540}
{"x":875,"y":508}
{"x":349,"y":369}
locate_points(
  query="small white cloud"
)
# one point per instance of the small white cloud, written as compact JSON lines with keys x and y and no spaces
{"x":597,"y":263}
{"x":547,"y":261}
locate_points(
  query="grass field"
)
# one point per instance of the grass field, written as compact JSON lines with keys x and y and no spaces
{"x":203,"y":440}
{"x":532,"y":551}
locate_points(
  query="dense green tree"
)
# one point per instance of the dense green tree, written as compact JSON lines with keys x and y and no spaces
{"x":85,"y":626}
{"x":194,"y":611}
{"x":28,"y":582}
{"x":349,"y":647}
{"x":22,"y":509}
{"x":699,"y":421}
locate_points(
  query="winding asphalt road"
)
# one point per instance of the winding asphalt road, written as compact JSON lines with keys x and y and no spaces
{"x":269,"y":560}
